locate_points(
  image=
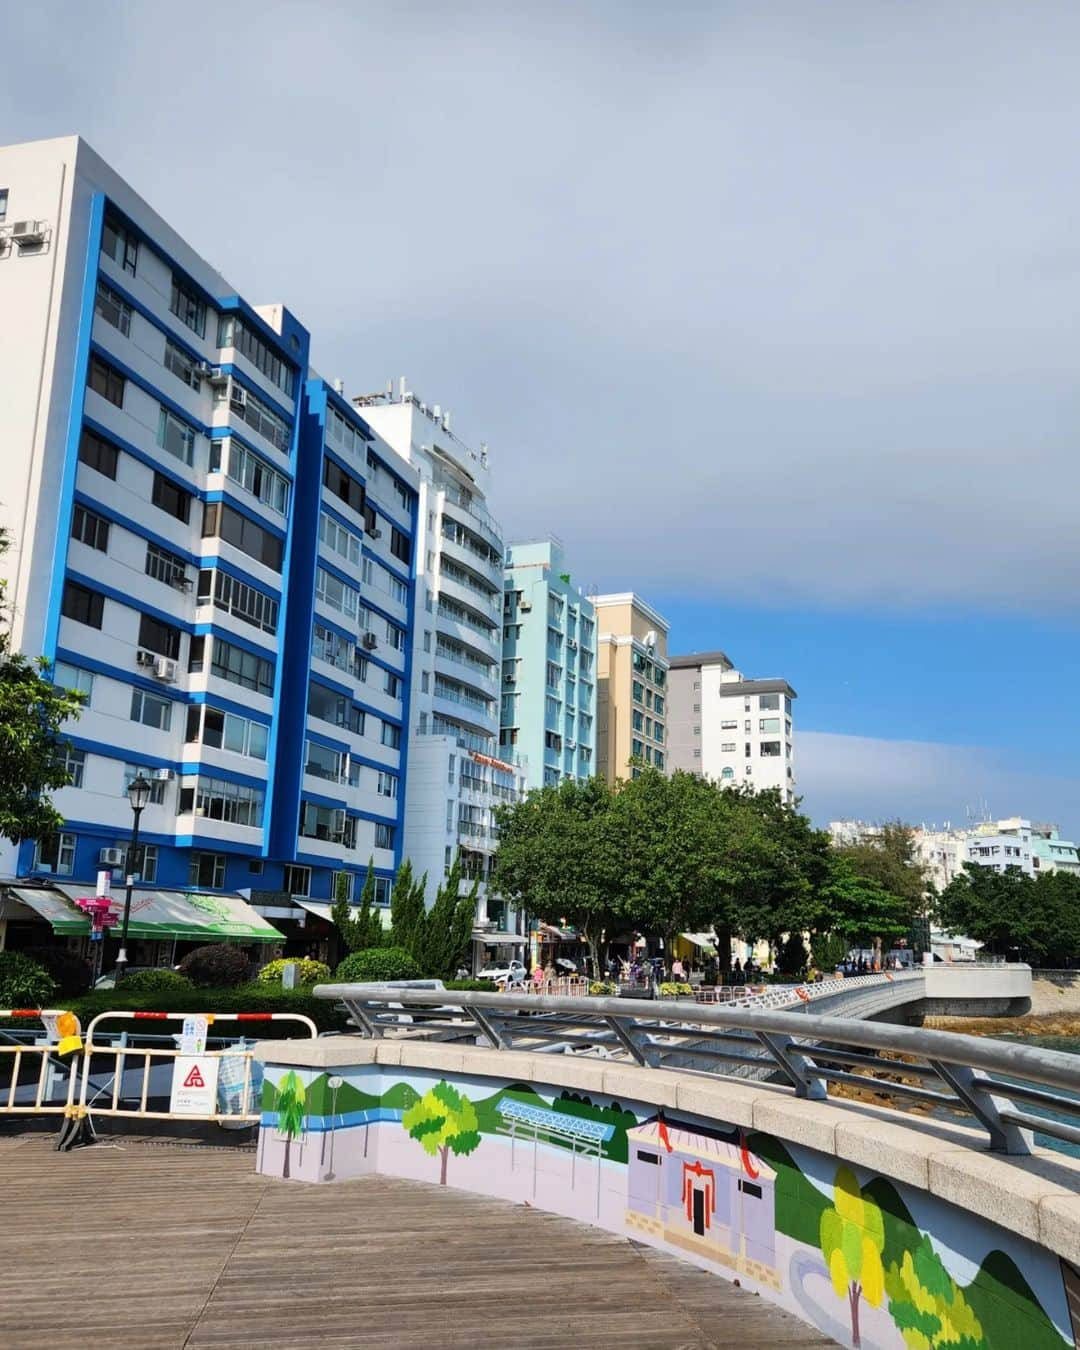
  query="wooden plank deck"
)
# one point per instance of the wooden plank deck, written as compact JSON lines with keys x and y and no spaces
{"x":139,"y":1245}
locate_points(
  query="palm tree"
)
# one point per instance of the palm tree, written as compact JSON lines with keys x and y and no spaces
{"x":290,"y":1106}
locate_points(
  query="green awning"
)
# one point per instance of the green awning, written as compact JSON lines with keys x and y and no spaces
{"x":187,"y":916}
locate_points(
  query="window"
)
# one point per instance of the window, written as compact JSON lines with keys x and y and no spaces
{"x":98,"y":454}
{"x":328,"y":823}
{"x":395,"y":636}
{"x":252,"y":410}
{"x":74,"y":763}
{"x":658,"y":759}
{"x":188,"y":306}
{"x":387,"y":785}
{"x":207,"y":871}
{"x":427,"y":642}
{"x":750,"y":1188}
{"x":400,"y":546}
{"x":176,"y":437}
{"x":769,"y":724}
{"x":749,"y":750}
{"x":297,"y":880}
{"x":56,"y":854}
{"x":236,"y":597}
{"x":769,"y":702}
{"x":3,"y":203}
{"x":90,"y":529}
{"x":344,"y":485}
{"x":181,"y":364}
{"x":157,"y":785}
{"x":82,"y":605}
{"x":343,"y":433}
{"x":638,"y":692}
{"x":730,"y":725}
{"x":245,"y":467}
{"x":165,"y":566}
{"x":106,"y":381}
{"x":224,"y":522}
{"x":119,"y":245}
{"x":392,"y":684}
{"x":330,"y":646}
{"x":658,"y":703}
{"x":383,"y":890}
{"x":155,"y":636}
{"x":171,"y":498}
{"x":384,"y":835}
{"x":341,"y":886}
{"x":232,"y":663}
{"x":71,"y":677}
{"x":151,"y":710}
{"x":226,"y":731}
{"x":146,"y":862}
{"x":727,"y":748}
{"x":216,"y":799}
{"x":658,"y":731}
{"x":636,"y":748}
{"x":338,"y":594}
{"x":324,"y":762}
{"x":340,"y":540}
{"x":113,"y":308}
{"x":391,"y":735}
{"x":329,"y":706}
{"x":638,"y":720}
{"x":234,"y":332}
{"x":770,"y":749}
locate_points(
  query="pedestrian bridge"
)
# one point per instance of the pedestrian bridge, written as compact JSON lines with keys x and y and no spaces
{"x":959,"y":1213}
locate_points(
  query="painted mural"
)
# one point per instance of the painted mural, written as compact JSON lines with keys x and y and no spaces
{"x":874,"y":1265}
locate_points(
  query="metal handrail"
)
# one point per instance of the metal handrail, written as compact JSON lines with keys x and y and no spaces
{"x":976,"y":1076}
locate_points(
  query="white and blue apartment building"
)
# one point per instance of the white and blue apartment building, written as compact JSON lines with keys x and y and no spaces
{"x":209,"y":542}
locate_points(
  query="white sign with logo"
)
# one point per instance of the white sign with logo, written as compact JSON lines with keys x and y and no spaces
{"x":194,"y":1085}
{"x":193,"y":1035}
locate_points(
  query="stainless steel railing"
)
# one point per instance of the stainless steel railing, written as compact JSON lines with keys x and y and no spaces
{"x":1013,"y":1091}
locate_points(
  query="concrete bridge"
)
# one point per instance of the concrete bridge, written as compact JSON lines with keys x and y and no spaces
{"x":859,"y":1218}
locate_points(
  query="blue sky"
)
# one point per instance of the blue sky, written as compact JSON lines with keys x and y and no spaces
{"x":769,"y":312}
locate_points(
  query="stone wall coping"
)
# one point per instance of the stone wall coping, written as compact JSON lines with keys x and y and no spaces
{"x":1036,"y":1197}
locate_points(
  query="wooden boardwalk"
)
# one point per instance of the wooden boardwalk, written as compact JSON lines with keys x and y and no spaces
{"x":141,"y":1245}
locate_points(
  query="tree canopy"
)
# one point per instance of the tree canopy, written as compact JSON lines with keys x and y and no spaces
{"x":1010,"y":912}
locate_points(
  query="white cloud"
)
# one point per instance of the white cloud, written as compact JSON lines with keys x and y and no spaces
{"x":925,"y":782}
{"x":772,"y":302}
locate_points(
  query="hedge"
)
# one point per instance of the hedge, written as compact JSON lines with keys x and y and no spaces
{"x":377,"y":964}
{"x":246,"y":998}
{"x":308,"y":972}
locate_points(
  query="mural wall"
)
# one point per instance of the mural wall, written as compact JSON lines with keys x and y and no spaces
{"x":868,"y":1262}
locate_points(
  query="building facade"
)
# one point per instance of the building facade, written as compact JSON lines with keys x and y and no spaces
{"x":631,"y":686}
{"x":729,"y":728}
{"x":458,"y":773}
{"x":1051,"y":853}
{"x":208,"y":543}
{"x":548,"y":700}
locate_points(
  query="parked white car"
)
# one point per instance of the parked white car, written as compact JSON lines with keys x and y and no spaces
{"x":514,"y":973}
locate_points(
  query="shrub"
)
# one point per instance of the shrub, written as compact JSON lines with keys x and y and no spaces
{"x":603,"y":988}
{"x":71,"y":972}
{"x":24,"y":983}
{"x":378,"y":964}
{"x":153,"y":981}
{"x":218,"y":966}
{"x":675,"y":989}
{"x":470,"y":986}
{"x":307,"y":971}
{"x":247,"y":998}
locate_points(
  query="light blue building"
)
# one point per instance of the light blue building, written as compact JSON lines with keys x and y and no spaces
{"x":548,"y":694}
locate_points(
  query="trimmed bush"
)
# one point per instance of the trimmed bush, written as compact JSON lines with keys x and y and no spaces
{"x":71,"y":973}
{"x":23,"y":982}
{"x":246,"y":998}
{"x":152,"y":981}
{"x":308,"y":972}
{"x":378,"y":964}
{"x":219,"y":966}
{"x":675,"y":989}
{"x":603,"y":988}
{"x":470,"y":986}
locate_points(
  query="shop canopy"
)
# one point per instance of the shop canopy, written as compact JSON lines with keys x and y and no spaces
{"x":706,"y":941}
{"x":493,"y":939}
{"x":189,"y":917}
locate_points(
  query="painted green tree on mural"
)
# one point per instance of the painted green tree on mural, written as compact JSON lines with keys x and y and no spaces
{"x":443,"y":1120}
{"x":290,"y":1109}
{"x":852,"y":1235}
{"x":928,"y":1306}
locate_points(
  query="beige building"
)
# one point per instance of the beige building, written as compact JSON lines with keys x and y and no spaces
{"x":631,"y":685}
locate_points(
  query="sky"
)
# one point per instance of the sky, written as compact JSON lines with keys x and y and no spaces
{"x":770,"y":312}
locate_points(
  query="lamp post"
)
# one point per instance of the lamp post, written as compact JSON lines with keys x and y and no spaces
{"x":139,"y":790}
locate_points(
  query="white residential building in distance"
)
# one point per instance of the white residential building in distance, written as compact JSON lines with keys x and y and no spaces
{"x":1000,"y":845}
{"x":459,"y":773}
{"x":730,"y":728}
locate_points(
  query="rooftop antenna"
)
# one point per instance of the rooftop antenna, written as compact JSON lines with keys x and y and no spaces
{"x":339,"y":386}
{"x":446,"y":420}
{"x":401,"y":388}
{"x":389,"y":391}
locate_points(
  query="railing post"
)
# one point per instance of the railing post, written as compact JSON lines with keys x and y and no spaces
{"x":499,"y":1039}
{"x":640,"y":1051}
{"x":797,"y":1068}
{"x":986,"y":1108}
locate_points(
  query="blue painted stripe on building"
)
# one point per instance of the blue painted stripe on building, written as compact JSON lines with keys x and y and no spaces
{"x":141,"y":382}
{"x":107,"y":750}
{"x":215,"y":700}
{"x":204,"y":769}
{"x":136,"y":527}
{"x":237,"y":640}
{"x":406,"y":702}
{"x":120,"y":673}
{"x":244,"y":509}
{"x":80,"y":365}
{"x":129,"y":601}
{"x":165,"y":469}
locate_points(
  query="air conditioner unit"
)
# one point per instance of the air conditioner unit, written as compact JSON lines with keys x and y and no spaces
{"x":217,"y":376}
{"x":165,"y":670}
{"x":509,"y":679}
{"x":181,"y":581}
{"x":571,"y":644}
{"x":201,"y":370}
{"x":161,"y":775}
{"x":369,"y":642}
{"x":374,"y":533}
{"x":525,"y":606}
{"x":28,"y":231}
{"x":238,"y":396}
{"x":112,"y":857}
{"x":145,"y":658}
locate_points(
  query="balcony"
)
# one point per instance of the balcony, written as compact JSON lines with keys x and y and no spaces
{"x":459,"y":694}
{"x":456,"y":544}
{"x":473,"y":514}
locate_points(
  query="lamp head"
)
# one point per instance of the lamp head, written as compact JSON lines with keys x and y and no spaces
{"x":139,"y":790}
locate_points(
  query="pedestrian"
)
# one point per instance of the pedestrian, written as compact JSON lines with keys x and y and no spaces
{"x":677,"y":969}
{"x":538,"y":975}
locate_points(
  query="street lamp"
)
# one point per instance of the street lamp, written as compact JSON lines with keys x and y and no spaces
{"x":139,"y":790}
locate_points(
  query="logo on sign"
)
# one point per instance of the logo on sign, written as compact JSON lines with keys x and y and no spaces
{"x":195,"y":1078}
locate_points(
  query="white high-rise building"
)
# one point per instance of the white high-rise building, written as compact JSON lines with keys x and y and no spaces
{"x":458,"y":774}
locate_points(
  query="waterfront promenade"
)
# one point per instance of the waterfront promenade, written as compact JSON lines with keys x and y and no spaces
{"x":142,"y":1245}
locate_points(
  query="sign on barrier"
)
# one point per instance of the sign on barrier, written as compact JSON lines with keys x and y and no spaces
{"x":194,"y":1085}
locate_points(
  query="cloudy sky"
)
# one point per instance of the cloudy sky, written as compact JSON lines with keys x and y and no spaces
{"x":769,"y":311}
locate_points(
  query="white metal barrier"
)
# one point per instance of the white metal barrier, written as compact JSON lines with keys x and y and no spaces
{"x":50,"y":1088}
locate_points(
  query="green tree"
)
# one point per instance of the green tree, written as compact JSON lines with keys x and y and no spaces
{"x":33,"y":749}
{"x":407,"y":909}
{"x":362,"y":929}
{"x":891,"y":861}
{"x":290,"y":1109}
{"x":442,"y":940}
{"x":443,"y":1121}
{"x":1009,"y":910}
{"x":860,"y":909}
{"x":927,"y":1305}
{"x":852,"y":1236}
